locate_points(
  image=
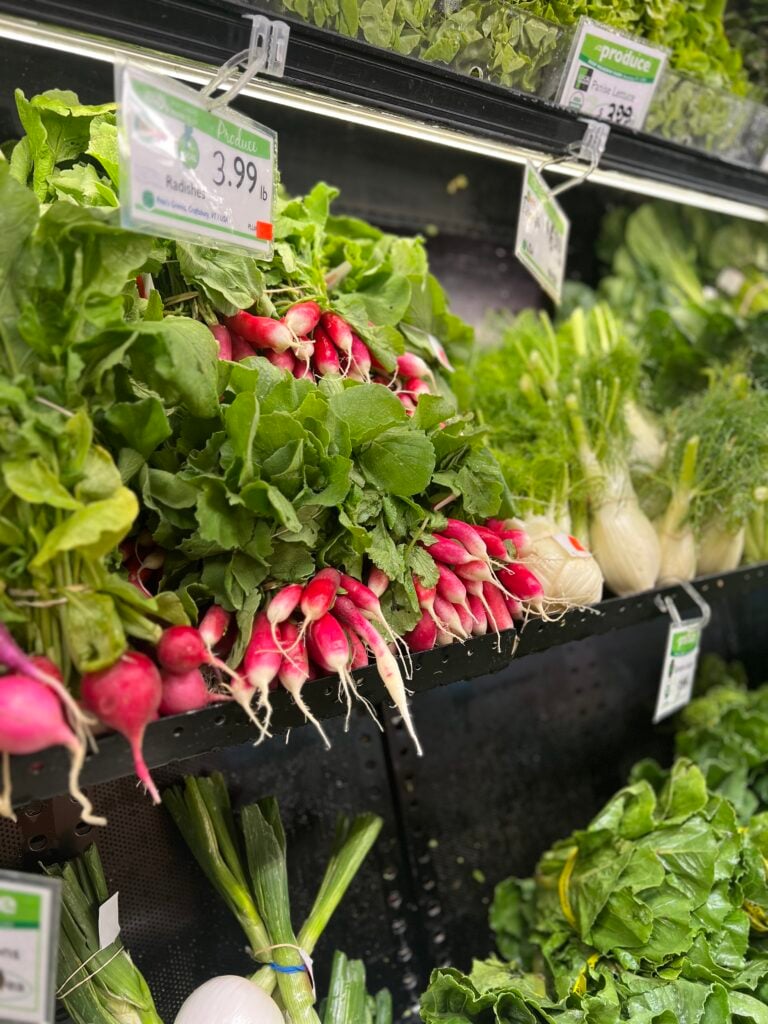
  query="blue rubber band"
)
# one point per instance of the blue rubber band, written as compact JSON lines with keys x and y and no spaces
{"x":282,"y":969}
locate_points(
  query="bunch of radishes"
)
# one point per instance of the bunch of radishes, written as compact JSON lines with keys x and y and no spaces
{"x":482,"y":584}
{"x":308,"y":342}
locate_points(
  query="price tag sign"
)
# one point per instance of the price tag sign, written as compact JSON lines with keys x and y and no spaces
{"x":679,"y":671}
{"x":29,"y":934}
{"x":610,"y":75}
{"x":190,"y":173}
{"x":542,"y":234}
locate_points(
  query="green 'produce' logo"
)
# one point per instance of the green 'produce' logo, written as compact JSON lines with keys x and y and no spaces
{"x":618,"y":60}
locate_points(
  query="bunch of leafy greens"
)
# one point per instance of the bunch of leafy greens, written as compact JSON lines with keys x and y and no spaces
{"x":725,"y":732}
{"x":245,"y":475}
{"x":746,"y":23}
{"x":655,"y":913}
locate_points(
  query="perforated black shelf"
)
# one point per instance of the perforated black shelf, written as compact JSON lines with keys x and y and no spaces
{"x":39,"y":777}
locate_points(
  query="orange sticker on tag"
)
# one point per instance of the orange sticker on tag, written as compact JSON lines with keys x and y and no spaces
{"x":264,"y":230}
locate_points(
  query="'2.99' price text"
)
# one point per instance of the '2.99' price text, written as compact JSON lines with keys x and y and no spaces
{"x":617,"y":113}
{"x":242,"y":174}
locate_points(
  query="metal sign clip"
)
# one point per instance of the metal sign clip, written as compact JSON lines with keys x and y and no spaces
{"x":266,"y":54}
{"x":666,"y":604}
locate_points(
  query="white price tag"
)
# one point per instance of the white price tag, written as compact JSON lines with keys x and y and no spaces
{"x":29,"y":937}
{"x":542,"y":234}
{"x":679,"y":671}
{"x":610,"y":75}
{"x":189,"y":173}
{"x":109,"y":921}
{"x":571,"y":545}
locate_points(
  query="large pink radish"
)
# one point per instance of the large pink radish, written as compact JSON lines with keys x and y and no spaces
{"x":497,"y":609}
{"x":423,"y":636}
{"x":302,"y":318}
{"x":448,"y":617}
{"x":329,"y":648}
{"x":32,"y":719}
{"x":411,"y":365}
{"x":261,"y":664}
{"x":357,"y":650}
{"x":449,"y":586}
{"x":386,"y":662}
{"x":325,"y":356}
{"x":378,"y":581}
{"x":126,"y":697}
{"x":368,"y":603}
{"x":282,"y":360}
{"x":261,"y":331}
{"x":186,"y":692}
{"x":359,"y":365}
{"x":479,"y":616}
{"x":282,"y":605}
{"x":214,"y":625}
{"x":294,"y":672}
{"x":524,"y":584}
{"x":443,"y":549}
{"x":339,"y":331}
{"x":318,"y":596}
{"x":494,"y":545}
{"x":467,"y":536}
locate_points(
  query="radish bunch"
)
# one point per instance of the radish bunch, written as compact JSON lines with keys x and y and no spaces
{"x":308,"y":342}
{"x":334,"y":624}
{"x":482,"y":585}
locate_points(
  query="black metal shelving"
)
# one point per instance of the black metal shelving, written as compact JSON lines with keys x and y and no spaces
{"x":333,"y":66}
{"x":39,"y":777}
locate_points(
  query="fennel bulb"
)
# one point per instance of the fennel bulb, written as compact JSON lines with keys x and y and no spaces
{"x":568,"y":573}
{"x":229,"y":1000}
{"x":720,"y":549}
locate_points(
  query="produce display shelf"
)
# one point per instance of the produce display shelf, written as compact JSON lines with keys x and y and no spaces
{"x":350,"y":80}
{"x":40,"y":777}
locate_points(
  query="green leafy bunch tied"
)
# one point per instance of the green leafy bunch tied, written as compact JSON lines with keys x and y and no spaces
{"x":660,"y":902}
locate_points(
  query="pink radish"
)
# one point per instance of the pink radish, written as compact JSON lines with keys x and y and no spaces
{"x":126,"y":697}
{"x":494,"y":545}
{"x":223,"y":340}
{"x":261,"y":331}
{"x":514,"y":607}
{"x":423,"y":636}
{"x":426,"y":598}
{"x":465,"y":618}
{"x":282,"y":360}
{"x":318,"y":596}
{"x":32,"y":719}
{"x":378,"y":581}
{"x":522,"y":583}
{"x":213,"y":625}
{"x":303,"y":371}
{"x":302,"y":318}
{"x":284,"y":604}
{"x":325,"y":358}
{"x":415,"y":387}
{"x":338,"y":330}
{"x":498,"y":613}
{"x":411,"y":365}
{"x":261,"y":664}
{"x":294,"y":672}
{"x":444,"y":639}
{"x":449,"y":586}
{"x":386,"y":662}
{"x":12,"y":656}
{"x":406,"y":401}
{"x":358,"y":652}
{"x":475,"y":570}
{"x":520,"y":540}
{"x":479,"y":617}
{"x":466,"y":535}
{"x":240,"y":348}
{"x":329,"y":648}
{"x":368,"y":603}
{"x":181,"y":648}
{"x":359,"y":359}
{"x":449,"y":551}
{"x":449,"y":618}
{"x":186,"y":692}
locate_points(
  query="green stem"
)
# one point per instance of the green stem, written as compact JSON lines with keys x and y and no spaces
{"x":680,"y":502}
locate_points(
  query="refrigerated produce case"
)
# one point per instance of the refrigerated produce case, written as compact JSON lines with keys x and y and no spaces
{"x":521,"y":743}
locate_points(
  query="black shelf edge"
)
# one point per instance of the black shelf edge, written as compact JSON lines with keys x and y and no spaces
{"x":42,"y":776}
{"x":356,"y":72}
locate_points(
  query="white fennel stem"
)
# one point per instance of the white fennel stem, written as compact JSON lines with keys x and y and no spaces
{"x":676,"y":537}
{"x":720,"y":548}
{"x":622,"y":538}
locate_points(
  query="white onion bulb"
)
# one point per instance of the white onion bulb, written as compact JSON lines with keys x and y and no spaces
{"x":229,"y":1000}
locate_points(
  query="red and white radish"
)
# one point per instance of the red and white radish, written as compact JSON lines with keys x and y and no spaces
{"x":32,"y":719}
{"x":126,"y":697}
{"x":329,"y":648}
{"x":261,"y":331}
{"x":282,"y":360}
{"x":240,"y":348}
{"x":261,"y":664}
{"x":318,"y":596}
{"x":186,"y":692}
{"x":411,"y":365}
{"x":325,"y":357}
{"x":423,"y":636}
{"x":294,"y":672}
{"x":339,"y":331}
{"x":378,"y":581}
{"x":386,"y":662}
{"x":302,"y":318}
{"x":449,"y":551}
{"x":223,"y":340}
{"x":368,"y":603}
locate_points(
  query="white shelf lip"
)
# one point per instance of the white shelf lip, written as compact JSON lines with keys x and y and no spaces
{"x":273,"y":91}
